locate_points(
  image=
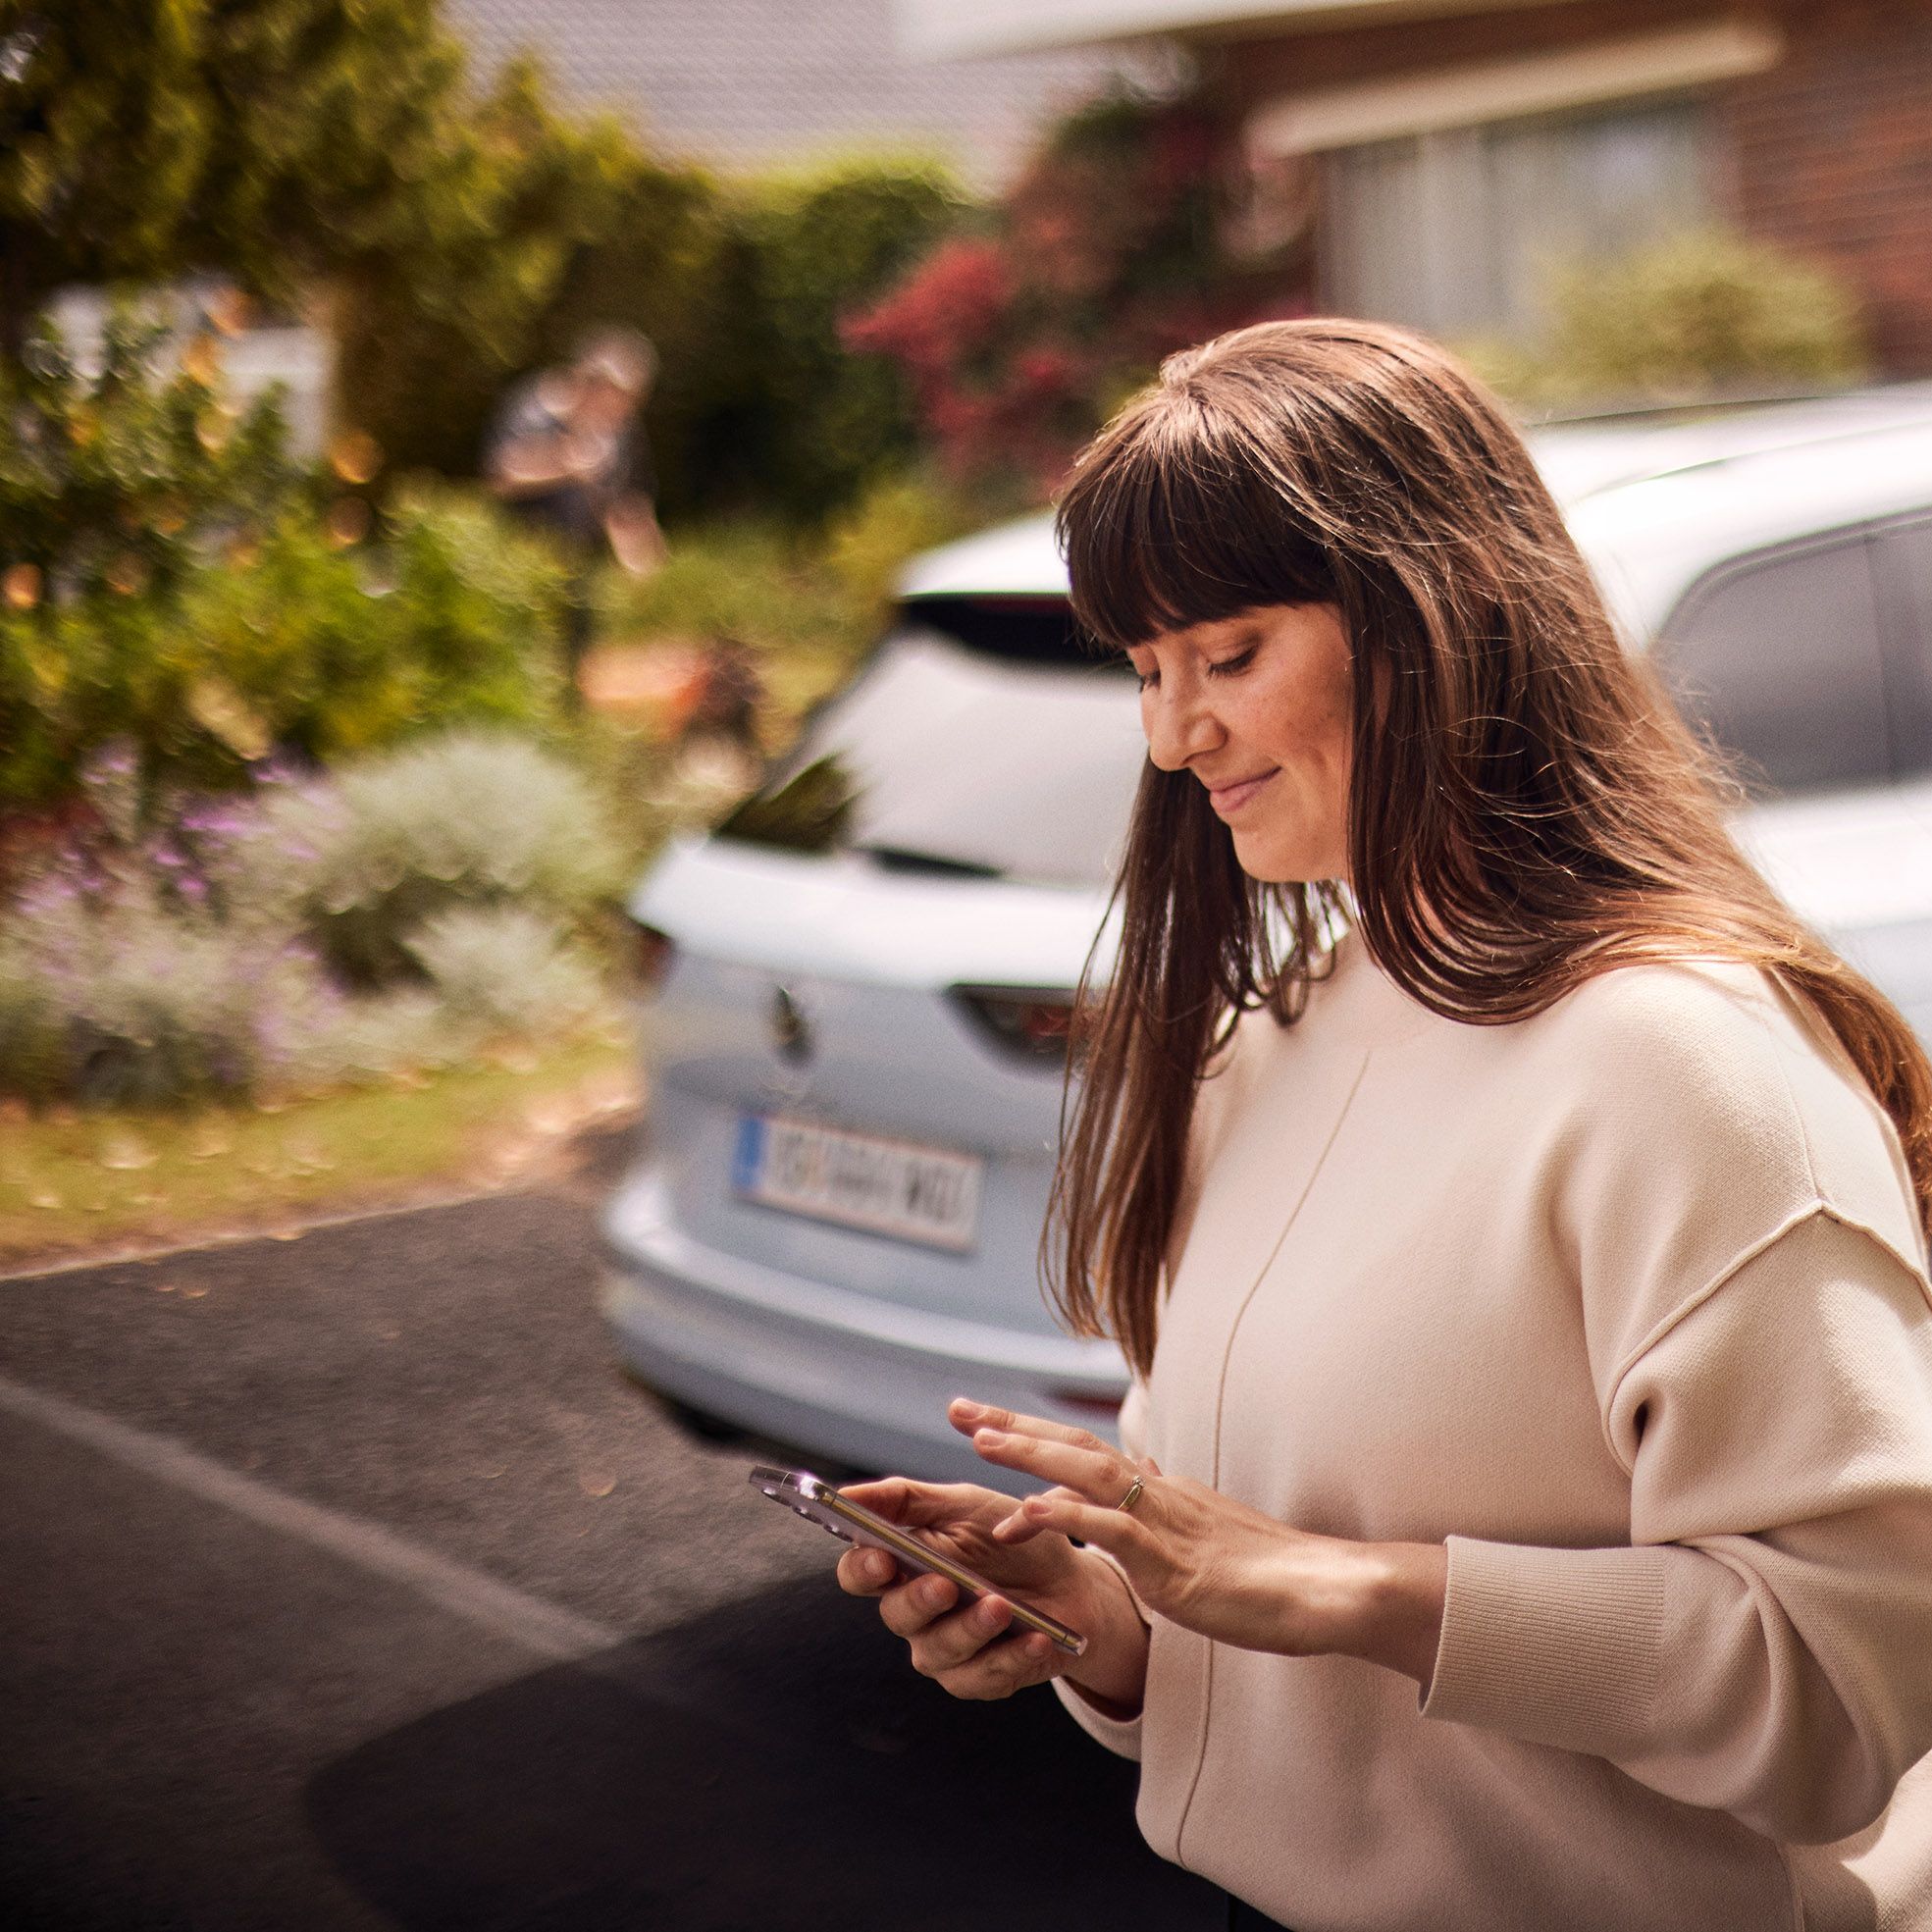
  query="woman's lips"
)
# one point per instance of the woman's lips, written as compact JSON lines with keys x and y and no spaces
{"x":1231,"y":798}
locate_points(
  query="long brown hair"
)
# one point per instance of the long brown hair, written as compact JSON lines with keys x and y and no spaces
{"x":1527,"y":809}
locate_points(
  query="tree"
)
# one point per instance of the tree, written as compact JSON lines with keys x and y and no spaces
{"x":103,"y":136}
{"x":268,"y":139}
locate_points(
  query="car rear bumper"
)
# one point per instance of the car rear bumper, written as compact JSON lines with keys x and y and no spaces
{"x":807,"y":1362}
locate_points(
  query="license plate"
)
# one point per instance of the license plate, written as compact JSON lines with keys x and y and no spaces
{"x":923,"y":1195}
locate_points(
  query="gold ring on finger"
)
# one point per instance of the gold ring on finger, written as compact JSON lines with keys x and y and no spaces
{"x":1132,"y":1496}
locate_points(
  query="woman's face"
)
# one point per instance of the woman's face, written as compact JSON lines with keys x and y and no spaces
{"x":1259,"y":709}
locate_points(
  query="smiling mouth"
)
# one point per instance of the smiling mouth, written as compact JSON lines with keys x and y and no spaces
{"x":1230,"y":798}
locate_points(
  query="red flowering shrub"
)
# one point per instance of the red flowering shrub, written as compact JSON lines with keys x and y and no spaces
{"x":1106,"y":254}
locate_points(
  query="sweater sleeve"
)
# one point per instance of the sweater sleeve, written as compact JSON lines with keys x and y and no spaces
{"x":1120,"y":1736}
{"x":1763,"y":1645}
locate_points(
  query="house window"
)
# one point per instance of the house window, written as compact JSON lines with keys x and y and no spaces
{"x":1454,"y":230}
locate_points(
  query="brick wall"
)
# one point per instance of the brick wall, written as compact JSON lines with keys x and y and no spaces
{"x":1828,"y":154}
{"x":1833,"y":157}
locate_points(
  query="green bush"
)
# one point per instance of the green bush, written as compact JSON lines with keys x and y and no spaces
{"x":296,"y":645}
{"x":474,"y":818}
{"x":790,"y":592}
{"x":897,"y":517}
{"x":755,"y":581}
{"x":171,"y":581}
{"x":800,"y":424}
{"x":1693,"y":317}
{"x":507,"y":969}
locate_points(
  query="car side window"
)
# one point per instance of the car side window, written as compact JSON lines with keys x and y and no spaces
{"x":1781,"y":659}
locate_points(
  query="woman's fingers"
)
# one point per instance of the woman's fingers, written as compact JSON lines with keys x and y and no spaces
{"x":1101,"y":1476}
{"x":865,"y":1572}
{"x":907,"y":1608}
{"x":962,"y":1645}
{"x":915,"y":1505}
{"x":1121,"y":1532}
{"x":968,"y":1417}
{"x":976,"y":1652}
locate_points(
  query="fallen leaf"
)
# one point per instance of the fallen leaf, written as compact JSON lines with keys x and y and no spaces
{"x":126,"y":1151}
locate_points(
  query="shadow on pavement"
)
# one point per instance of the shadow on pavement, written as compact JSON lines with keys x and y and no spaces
{"x":773,"y":1765}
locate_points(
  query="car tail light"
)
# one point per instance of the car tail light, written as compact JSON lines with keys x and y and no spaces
{"x":1030,"y":1022}
{"x":651,"y":951}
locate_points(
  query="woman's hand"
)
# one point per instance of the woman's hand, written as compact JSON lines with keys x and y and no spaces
{"x":968,"y":1649}
{"x":1210,"y":1563}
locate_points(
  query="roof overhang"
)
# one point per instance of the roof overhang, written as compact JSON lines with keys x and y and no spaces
{"x":942,"y":28}
{"x":1465,"y":95}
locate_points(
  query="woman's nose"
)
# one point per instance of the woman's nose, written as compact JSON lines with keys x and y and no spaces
{"x":1177,"y":728}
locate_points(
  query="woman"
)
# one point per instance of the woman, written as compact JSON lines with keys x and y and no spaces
{"x":1515,"y":1222}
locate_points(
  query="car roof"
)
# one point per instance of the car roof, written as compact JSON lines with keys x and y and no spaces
{"x":1638,"y":493}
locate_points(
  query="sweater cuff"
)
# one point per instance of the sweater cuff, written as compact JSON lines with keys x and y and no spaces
{"x":1120,"y":1570}
{"x":1555,"y":1646}
{"x":1121,"y":1735}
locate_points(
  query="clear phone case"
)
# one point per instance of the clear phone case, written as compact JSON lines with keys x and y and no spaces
{"x":817,"y":1501}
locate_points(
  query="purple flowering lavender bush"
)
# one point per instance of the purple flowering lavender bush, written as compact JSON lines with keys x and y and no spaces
{"x":176,"y":947}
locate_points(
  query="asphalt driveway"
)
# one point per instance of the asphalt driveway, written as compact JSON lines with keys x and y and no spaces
{"x":345,"y":1583}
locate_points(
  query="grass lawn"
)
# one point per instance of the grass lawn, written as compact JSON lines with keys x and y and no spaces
{"x":99,"y":1184}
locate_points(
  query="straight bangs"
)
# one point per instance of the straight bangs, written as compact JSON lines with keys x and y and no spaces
{"x":1163,"y":531}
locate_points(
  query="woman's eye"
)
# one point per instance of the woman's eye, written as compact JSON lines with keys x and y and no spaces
{"x":1147,"y":680}
{"x":1229,"y":666}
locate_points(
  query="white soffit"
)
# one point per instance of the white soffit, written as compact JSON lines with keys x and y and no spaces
{"x":1497,"y":90}
{"x":940,"y":28}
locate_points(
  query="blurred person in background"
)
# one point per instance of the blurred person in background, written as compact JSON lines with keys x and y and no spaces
{"x":1513,"y":1219}
{"x":567,"y":454}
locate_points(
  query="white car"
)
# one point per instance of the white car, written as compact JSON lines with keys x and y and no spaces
{"x":854,"y":1051}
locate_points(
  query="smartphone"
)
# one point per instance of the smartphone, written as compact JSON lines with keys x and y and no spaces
{"x":805,"y":1494}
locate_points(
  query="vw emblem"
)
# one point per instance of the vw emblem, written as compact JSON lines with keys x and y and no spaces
{"x":789,"y":1031}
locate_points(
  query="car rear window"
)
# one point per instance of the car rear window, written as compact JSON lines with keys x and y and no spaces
{"x":977,"y":741}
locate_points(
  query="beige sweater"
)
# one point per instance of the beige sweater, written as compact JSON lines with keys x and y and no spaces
{"x":1628,"y":1304}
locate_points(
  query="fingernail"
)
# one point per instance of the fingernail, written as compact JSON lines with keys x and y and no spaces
{"x":990,"y":1437}
{"x":988,"y":1615}
{"x":934,"y":1592}
{"x":966,"y":1408}
{"x":877,"y":1566}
